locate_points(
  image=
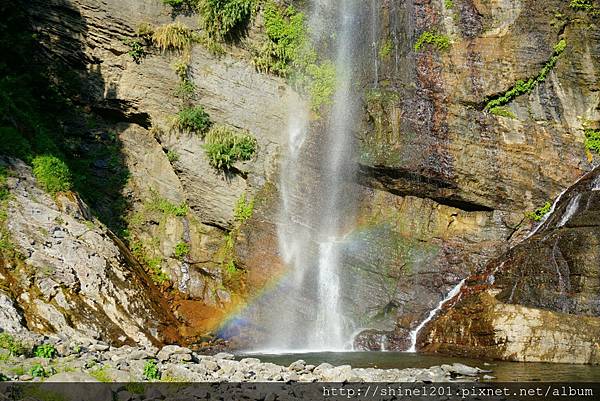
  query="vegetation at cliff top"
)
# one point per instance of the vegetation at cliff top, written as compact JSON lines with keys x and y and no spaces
{"x":438,"y":41}
{"x":175,"y":36}
{"x":539,"y":213}
{"x":592,"y":140}
{"x":193,"y":120}
{"x":523,"y":87}
{"x":448,"y":4}
{"x":287,"y":52}
{"x":224,"y":146}
{"x":225,"y":19}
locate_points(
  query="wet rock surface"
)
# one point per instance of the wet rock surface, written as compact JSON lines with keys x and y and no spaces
{"x":539,"y":301}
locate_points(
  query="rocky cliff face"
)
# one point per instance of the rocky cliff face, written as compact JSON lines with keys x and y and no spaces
{"x":134,"y":103}
{"x":70,"y":275}
{"x":538,"y":302}
{"x":443,"y":182}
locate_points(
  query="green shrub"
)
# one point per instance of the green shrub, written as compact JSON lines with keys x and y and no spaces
{"x":137,"y":51}
{"x":448,"y":4}
{"x":225,"y":19}
{"x":45,"y":351}
{"x":52,"y":173}
{"x":3,"y":378}
{"x":538,"y":214}
{"x":193,"y":120}
{"x":38,"y":370}
{"x":174,"y":36}
{"x":286,"y":34}
{"x":182,"y":250}
{"x":151,"y":371}
{"x":522,"y":87}
{"x":172,"y":156}
{"x":592,"y":140}
{"x":440,"y":42}
{"x":13,"y":346}
{"x":174,"y":3}
{"x":224,"y":147}
{"x":243,"y":209}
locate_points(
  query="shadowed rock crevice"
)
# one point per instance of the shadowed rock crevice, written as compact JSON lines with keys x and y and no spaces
{"x":404,"y":182}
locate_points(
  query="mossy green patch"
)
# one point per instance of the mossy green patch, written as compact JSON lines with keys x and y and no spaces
{"x":592,"y":140}
{"x":433,"y":39}
{"x":523,"y":87}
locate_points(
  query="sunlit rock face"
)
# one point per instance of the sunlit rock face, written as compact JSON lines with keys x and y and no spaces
{"x":540,"y":301}
{"x":70,"y":275}
{"x":442,"y":185}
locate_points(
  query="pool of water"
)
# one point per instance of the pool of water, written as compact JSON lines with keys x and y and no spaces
{"x":502,"y":371}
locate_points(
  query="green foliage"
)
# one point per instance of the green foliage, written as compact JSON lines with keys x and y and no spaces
{"x":3,"y":378}
{"x":151,"y":371}
{"x":182,"y":250}
{"x":175,"y":36}
{"x":592,"y":140}
{"x":523,"y":87}
{"x":386,"y":48}
{"x":585,"y":5}
{"x":137,"y":51}
{"x":164,"y":206}
{"x":172,"y":156}
{"x":243,"y":209}
{"x":322,"y":84}
{"x":440,"y":42}
{"x":286,"y":35}
{"x":52,"y":173}
{"x":539,"y":213}
{"x":231,"y":268}
{"x":225,"y":19}
{"x":502,"y":112}
{"x":224,"y":146}
{"x":38,"y":370}
{"x":193,"y":120}
{"x":448,"y":4}
{"x":13,"y":346}
{"x":45,"y":351}
{"x":288,"y":53}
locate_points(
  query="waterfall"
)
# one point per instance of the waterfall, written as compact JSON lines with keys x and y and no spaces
{"x":571,"y":210}
{"x":432,"y":313}
{"x":305,"y":312}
